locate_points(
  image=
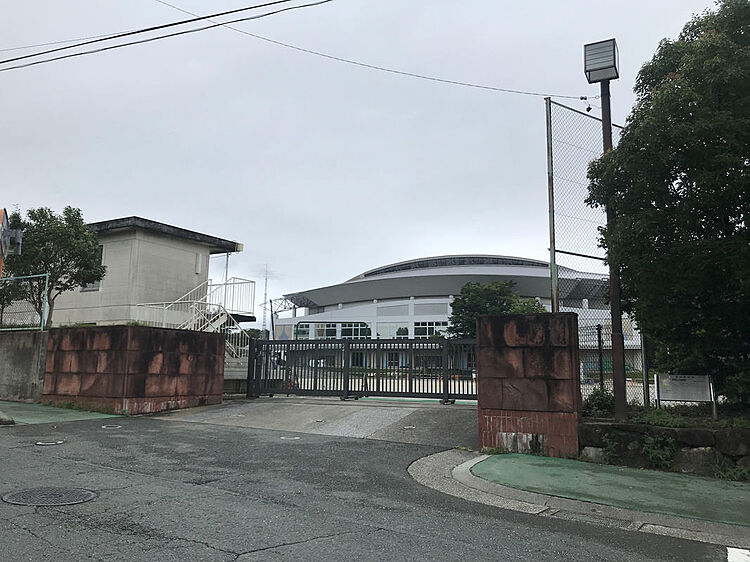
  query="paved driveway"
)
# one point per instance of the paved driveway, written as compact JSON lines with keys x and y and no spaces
{"x":175,"y":490}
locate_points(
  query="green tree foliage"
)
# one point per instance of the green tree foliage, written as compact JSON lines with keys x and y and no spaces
{"x":257,"y":333}
{"x":477,"y":299}
{"x":10,"y":292}
{"x":679,"y":184}
{"x":61,"y":245}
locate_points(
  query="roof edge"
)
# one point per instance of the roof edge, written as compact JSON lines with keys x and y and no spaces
{"x":402,"y":265}
{"x":217,"y":245}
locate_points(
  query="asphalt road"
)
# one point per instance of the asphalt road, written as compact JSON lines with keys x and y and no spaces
{"x":175,"y":490}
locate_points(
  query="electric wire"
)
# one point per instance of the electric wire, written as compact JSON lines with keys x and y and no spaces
{"x":380,"y":68}
{"x":146,"y":30}
{"x":141,"y":41}
{"x":61,"y":42}
{"x":97,"y":38}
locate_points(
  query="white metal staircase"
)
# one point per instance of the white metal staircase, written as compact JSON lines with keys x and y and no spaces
{"x":210,"y":307}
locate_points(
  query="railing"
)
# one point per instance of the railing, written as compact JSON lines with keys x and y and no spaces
{"x":198,"y":316}
{"x":209,"y":307}
{"x":237,"y":295}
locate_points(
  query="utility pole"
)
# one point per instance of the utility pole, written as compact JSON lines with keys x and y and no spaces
{"x":265,"y":300}
{"x":600,"y":62}
{"x":618,"y":343}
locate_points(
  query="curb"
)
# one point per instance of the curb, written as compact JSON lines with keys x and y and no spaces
{"x":450,"y":472}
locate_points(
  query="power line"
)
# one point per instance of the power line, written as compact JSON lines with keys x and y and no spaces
{"x":146,"y":30}
{"x":175,"y":34}
{"x":268,"y":40}
{"x":62,"y":42}
{"x":376,"y":67}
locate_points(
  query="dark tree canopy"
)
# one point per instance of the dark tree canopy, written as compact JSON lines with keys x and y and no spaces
{"x":61,"y":245}
{"x":679,"y":184}
{"x":477,"y":299}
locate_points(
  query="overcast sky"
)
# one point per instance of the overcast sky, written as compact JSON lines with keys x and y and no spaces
{"x":322,"y":169}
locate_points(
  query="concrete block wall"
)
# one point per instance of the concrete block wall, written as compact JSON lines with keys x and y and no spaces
{"x":528,"y":386}
{"x":133,"y":369}
{"x":22,"y":365}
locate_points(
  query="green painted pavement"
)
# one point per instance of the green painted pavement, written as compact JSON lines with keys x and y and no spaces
{"x":667,"y":493}
{"x":25,"y":413}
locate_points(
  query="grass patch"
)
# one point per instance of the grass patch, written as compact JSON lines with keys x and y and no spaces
{"x":81,"y":407}
{"x":735,"y":472}
{"x":659,"y":451}
{"x":495,"y":451}
{"x":696,"y":415}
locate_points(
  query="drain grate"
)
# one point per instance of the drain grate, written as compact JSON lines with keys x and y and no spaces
{"x":49,"y":496}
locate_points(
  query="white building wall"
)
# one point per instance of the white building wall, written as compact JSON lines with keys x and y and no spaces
{"x":141,"y":267}
{"x":372,"y":313}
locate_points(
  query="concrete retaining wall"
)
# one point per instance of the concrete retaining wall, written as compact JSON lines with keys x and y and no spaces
{"x":22,"y":365}
{"x":699,"y":451}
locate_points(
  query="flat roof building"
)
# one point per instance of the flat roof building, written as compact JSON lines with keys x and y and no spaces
{"x":147,"y":261}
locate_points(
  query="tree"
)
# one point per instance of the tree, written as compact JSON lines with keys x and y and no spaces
{"x":257,"y":333}
{"x":10,"y":292}
{"x":679,"y":185}
{"x":61,"y":245}
{"x":477,"y":299}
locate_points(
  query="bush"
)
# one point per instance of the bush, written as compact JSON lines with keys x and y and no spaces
{"x":659,"y":451}
{"x":729,"y":471}
{"x":662,"y":417}
{"x":599,"y":404}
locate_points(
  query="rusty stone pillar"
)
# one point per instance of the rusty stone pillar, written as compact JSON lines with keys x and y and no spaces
{"x":528,"y":383}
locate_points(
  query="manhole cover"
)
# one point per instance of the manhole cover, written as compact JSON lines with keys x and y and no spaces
{"x":49,"y":496}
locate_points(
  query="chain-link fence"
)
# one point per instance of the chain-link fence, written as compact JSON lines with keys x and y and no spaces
{"x":579,"y":272}
{"x":23,"y":302}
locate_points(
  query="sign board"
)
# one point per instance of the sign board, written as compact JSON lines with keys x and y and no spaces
{"x":684,"y":388}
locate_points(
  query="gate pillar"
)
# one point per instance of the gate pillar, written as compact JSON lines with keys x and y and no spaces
{"x":528,"y":383}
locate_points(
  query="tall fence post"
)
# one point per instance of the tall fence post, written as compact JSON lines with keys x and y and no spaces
{"x":600,"y":345}
{"x":347,"y":365}
{"x":45,"y":303}
{"x":554,"y":292}
{"x":644,"y":370}
{"x":446,"y":377}
{"x":251,"y":390}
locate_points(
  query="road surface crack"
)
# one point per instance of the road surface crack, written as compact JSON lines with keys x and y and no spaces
{"x":294,"y":543}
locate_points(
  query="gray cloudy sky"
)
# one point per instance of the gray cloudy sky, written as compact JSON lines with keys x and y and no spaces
{"x":321,"y":169}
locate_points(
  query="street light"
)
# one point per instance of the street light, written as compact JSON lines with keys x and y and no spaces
{"x":600,"y":61}
{"x":600,"y":64}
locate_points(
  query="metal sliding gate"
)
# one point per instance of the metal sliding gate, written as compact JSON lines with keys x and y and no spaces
{"x":423,"y":368}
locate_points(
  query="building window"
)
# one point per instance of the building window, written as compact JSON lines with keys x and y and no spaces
{"x":96,"y":284}
{"x":302,"y":332}
{"x":392,"y":359}
{"x":424,"y":330}
{"x":355,"y":331}
{"x":325,"y":331}
{"x":358,"y":359}
{"x":393,"y":330}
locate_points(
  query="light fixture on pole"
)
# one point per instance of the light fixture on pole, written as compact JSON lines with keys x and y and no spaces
{"x":600,"y":61}
{"x":600,"y":64}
